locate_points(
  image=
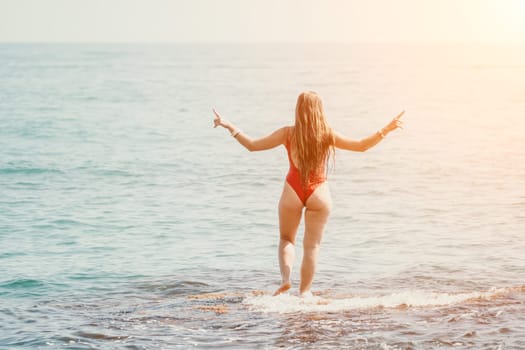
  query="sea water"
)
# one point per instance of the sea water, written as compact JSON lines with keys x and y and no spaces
{"x":128,"y":222}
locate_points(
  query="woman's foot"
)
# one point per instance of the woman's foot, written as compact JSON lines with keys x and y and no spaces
{"x":283,"y":288}
{"x":306,"y":294}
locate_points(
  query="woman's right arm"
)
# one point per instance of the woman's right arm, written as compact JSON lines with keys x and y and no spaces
{"x":348,"y":144}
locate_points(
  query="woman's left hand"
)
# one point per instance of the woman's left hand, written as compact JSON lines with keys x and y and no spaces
{"x":219,"y":120}
{"x":394,"y":124}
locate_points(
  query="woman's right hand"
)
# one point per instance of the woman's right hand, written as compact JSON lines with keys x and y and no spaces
{"x":219,"y":120}
{"x":394,"y":124}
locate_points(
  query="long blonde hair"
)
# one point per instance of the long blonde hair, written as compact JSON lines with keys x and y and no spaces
{"x":312,"y":138}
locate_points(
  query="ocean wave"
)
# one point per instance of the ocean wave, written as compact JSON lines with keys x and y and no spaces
{"x":172,"y":288}
{"x":7,"y":255}
{"x":29,"y":171}
{"x":21,"y":283}
{"x":287,"y":303}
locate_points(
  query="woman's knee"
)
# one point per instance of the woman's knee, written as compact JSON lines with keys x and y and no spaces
{"x":287,"y":238}
{"x":311,"y":246}
{"x":311,"y":250}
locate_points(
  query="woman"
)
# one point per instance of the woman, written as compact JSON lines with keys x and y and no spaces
{"x":309,"y":144}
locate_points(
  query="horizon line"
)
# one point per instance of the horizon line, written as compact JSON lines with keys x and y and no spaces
{"x":268,"y":42}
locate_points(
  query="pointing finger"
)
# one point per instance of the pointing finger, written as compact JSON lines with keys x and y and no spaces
{"x":399,"y":115}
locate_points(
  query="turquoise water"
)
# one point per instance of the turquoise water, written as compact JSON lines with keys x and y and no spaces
{"x":128,"y":222}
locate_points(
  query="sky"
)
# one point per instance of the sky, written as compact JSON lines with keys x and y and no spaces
{"x":210,"y":21}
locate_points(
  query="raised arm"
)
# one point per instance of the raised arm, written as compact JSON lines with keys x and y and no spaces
{"x":370,"y":141}
{"x":276,"y":138}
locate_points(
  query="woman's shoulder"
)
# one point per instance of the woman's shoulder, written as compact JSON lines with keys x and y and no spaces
{"x":288,"y":128}
{"x":285,"y":130}
{"x":286,"y":133}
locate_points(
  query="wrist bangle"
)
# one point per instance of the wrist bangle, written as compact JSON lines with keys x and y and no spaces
{"x":380,"y":132}
{"x":235,"y":133}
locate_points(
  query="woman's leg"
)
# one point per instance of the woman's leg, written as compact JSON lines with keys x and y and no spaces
{"x":290,"y":211}
{"x":318,"y":208}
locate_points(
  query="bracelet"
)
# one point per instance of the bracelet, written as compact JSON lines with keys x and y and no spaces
{"x":235,"y":133}
{"x":380,"y":132}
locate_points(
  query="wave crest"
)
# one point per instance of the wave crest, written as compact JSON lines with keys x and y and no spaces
{"x":287,"y":303}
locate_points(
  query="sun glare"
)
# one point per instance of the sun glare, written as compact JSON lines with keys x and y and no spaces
{"x":511,"y":21}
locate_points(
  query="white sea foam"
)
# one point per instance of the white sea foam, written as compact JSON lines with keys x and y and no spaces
{"x":287,"y":303}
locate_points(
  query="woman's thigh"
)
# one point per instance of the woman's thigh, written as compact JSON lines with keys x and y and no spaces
{"x":318,"y":207}
{"x":290,"y":212}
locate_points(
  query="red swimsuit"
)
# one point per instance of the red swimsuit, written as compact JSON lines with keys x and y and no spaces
{"x":294,"y":178}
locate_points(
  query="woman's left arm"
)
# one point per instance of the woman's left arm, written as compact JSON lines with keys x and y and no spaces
{"x":273,"y":140}
{"x":370,"y":141}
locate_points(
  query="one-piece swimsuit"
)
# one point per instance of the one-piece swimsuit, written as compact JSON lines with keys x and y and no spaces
{"x":294,"y":178}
